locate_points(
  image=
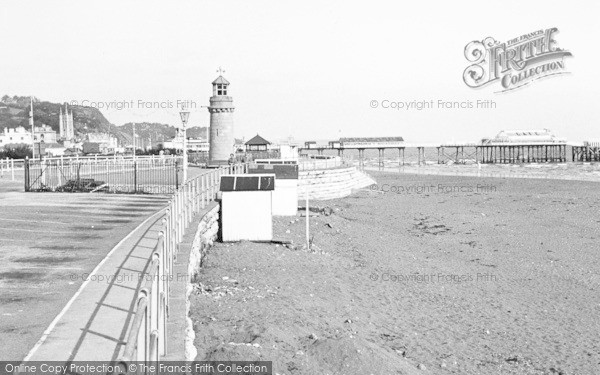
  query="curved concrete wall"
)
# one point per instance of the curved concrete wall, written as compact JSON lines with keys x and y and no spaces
{"x":331,"y":183}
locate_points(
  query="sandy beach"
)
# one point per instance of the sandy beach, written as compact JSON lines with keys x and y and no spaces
{"x":434,"y":274}
{"x":552,"y":171}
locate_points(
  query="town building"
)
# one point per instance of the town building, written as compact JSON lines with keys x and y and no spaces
{"x":310,"y":144}
{"x":55,"y":149}
{"x":44,"y":134}
{"x":193,"y":144}
{"x":288,"y":151}
{"x":107,"y":143}
{"x":198,"y":145}
{"x":16,"y":136}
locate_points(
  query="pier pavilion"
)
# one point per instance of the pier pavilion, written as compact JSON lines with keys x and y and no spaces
{"x":516,"y":152}
{"x":524,"y":146}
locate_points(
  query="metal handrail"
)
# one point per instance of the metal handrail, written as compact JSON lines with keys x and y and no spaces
{"x":140,"y":314}
{"x":146,"y":341}
{"x":93,"y":158}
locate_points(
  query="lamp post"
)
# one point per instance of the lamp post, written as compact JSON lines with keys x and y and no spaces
{"x":185,"y":115}
{"x":32,"y":129}
{"x":41,"y":144}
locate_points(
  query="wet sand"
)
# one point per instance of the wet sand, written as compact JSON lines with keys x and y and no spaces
{"x":553,"y":171}
{"x":450,"y":275}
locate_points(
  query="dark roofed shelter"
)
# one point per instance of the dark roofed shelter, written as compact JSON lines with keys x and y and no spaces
{"x":257,"y":143}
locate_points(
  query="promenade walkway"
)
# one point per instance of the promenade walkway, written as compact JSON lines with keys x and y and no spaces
{"x":93,"y":325}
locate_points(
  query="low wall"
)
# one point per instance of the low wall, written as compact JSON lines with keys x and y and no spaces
{"x":331,"y":183}
{"x":206,"y":234}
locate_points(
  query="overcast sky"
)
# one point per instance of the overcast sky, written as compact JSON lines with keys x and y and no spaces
{"x":305,"y":68}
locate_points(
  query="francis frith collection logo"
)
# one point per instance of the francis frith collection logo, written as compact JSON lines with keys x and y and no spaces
{"x":514,"y":63}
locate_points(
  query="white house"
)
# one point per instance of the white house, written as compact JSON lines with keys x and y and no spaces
{"x":15,"y":136}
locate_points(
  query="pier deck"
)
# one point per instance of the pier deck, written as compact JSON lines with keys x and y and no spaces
{"x":497,"y":152}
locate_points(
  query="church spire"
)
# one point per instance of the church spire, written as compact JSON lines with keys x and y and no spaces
{"x":60,"y":123}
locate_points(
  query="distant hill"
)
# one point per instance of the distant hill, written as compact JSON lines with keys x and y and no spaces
{"x":14,"y":112}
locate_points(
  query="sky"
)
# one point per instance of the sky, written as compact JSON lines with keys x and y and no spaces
{"x":306,"y":69}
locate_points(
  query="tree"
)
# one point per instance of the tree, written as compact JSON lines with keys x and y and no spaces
{"x":15,"y":151}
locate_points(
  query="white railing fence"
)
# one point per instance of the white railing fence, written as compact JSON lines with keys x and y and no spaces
{"x":8,"y":167}
{"x":101,"y":158}
{"x":147,"y":340}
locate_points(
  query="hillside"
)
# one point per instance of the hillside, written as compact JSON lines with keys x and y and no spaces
{"x":14,"y":112}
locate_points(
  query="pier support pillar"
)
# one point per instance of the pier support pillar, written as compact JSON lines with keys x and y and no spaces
{"x":361,"y":156}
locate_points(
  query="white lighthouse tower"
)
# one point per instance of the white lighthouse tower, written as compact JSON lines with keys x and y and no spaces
{"x":221,"y":123}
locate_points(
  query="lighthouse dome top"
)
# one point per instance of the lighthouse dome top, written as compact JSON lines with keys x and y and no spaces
{"x":220,"y":81}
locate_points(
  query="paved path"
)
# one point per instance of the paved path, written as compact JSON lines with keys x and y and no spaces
{"x":54,"y":241}
{"x":94,"y":323}
{"x":49,"y":244}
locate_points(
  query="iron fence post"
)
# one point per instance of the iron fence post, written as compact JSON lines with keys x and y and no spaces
{"x":186,"y":206}
{"x":209,"y":183}
{"x":26,"y":172}
{"x":194,"y":206}
{"x":196,"y":203}
{"x":180,"y":216}
{"x":134,"y":176}
{"x":176,"y":175}
{"x":203,"y":190}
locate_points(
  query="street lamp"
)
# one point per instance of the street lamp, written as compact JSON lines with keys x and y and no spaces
{"x":32,"y":129}
{"x":185,"y":115}
{"x":41,"y":145}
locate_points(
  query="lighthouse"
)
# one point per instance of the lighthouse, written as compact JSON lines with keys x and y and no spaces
{"x":221,"y":123}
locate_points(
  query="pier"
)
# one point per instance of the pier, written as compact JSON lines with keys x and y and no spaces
{"x":490,"y":153}
{"x":589,"y":151}
{"x":507,"y":147}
